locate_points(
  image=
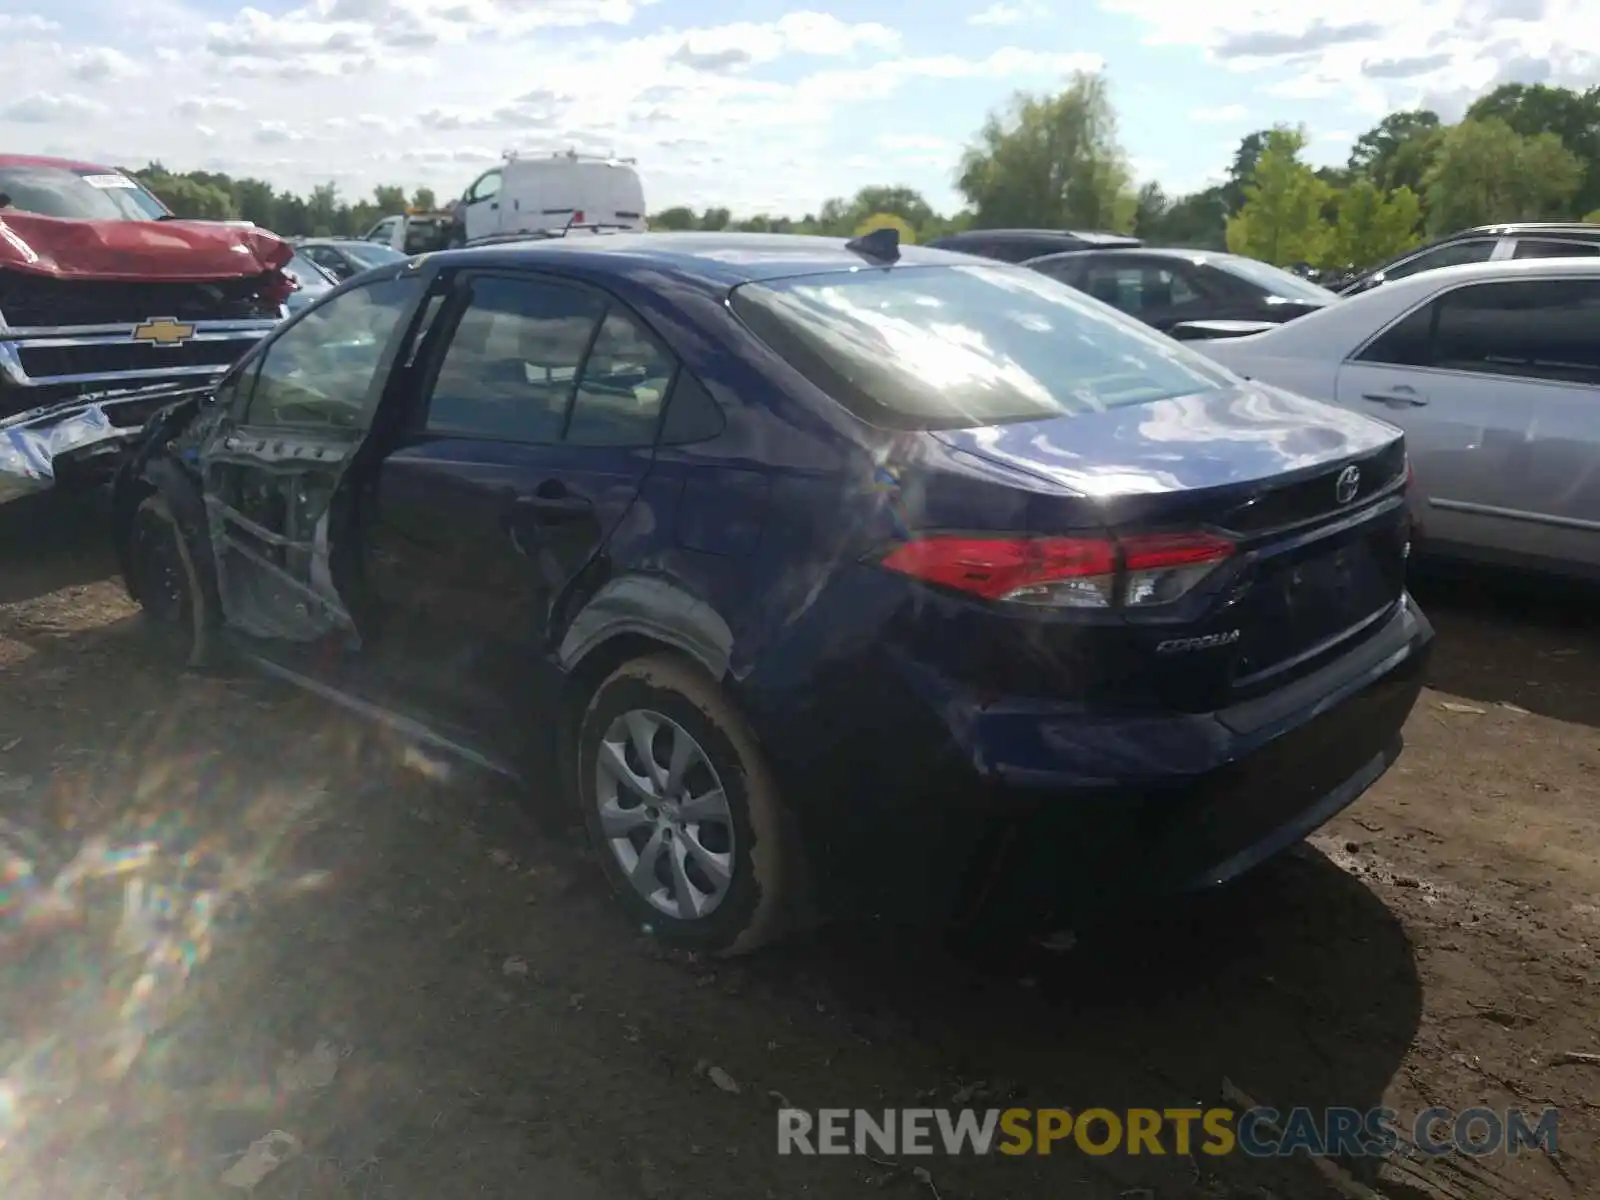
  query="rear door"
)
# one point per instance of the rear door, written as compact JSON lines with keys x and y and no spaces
{"x":1498,"y":388}
{"x":532,"y":432}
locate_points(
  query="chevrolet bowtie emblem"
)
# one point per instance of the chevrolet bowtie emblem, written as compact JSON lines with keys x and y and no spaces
{"x":163,"y":331}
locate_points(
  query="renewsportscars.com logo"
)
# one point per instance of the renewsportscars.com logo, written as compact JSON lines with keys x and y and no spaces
{"x":1255,"y":1132}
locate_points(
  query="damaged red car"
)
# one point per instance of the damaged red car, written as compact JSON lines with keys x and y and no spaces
{"x":105,"y":296}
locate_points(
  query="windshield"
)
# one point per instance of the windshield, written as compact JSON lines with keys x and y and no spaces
{"x":82,"y":194}
{"x":948,"y":347}
{"x":371,"y":255}
{"x":1275,"y":279}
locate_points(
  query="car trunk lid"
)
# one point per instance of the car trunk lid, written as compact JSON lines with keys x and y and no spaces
{"x":1291,"y":514}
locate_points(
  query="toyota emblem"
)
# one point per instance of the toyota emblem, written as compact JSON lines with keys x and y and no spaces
{"x":1347,"y":485}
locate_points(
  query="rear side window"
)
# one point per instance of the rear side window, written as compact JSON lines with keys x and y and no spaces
{"x":1545,"y":329}
{"x":1552,"y":248}
{"x":511,"y":367}
{"x":622,"y":387}
{"x":952,"y":347}
{"x":1455,"y":254}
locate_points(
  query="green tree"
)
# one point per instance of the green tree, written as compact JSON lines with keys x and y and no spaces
{"x":1051,"y":162}
{"x":904,"y":202}
{"x":186,"y":196}
{"x":424,"y":199}
{"x":1398,"y":150}
{"x":1487,"y":172}
{"x":714,"y":219}
{"x":389,"y":199}
{"x":1572,"y":116}
{"x":1281,"y":221}
{"x":1372,"y":226}
{"x":1243,"y":169}
{"x":679,"y":217}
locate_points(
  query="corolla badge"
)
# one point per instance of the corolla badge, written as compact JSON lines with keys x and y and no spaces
{"x":1209,"y":641}
{"x":1347,"y":484}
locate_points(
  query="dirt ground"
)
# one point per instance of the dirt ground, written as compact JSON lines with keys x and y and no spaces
{"x":261,"y":876}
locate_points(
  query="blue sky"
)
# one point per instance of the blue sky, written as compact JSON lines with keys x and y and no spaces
{"x":762,"y":105}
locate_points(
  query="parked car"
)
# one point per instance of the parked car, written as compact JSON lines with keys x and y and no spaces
{"x":1165,"y":288}
{"x":342,"y":258}
{"x":916,"y":591}
{"x":310,"y":279}
{"x":1019,"y":245}
{"x":102,"y":290}
{"x":1487,"y":243}
{"x":414,"y":232}
{"x":1493,"y":371}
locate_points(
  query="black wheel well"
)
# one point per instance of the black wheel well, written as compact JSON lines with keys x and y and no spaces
{"x":124,"y":508}
{"x":590,"y":672}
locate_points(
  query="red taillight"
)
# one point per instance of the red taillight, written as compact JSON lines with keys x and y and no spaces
{"x":577,"y":217}
{"x":1064,"y":572}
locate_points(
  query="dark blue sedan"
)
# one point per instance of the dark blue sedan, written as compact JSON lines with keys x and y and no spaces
{"x":833,"y":578}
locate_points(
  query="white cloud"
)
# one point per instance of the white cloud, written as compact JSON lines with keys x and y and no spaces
{"x":1228,"y":112}
{"x":45,"y":108}
{"x":1002,"y":13}
{"x":102,"y":64}
{"x":27,"y":23}
{"x":1377,"y":55}
{"x":752,"y":114}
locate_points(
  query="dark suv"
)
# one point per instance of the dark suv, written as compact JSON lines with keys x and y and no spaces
{"x":1019,"y":245}
{"x":1529,"y":239}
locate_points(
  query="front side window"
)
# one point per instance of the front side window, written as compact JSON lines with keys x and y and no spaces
{"x":487,"y":187}
{"x":952,"y":347}
{"x":1455,"y":254}
{"x":1137,"y":288}
{"x":82,"y":194}
{"x":321,"y":370}
{"x":511,"y":367}
{"x":1546,"y":329}
{"x":383,"y":230}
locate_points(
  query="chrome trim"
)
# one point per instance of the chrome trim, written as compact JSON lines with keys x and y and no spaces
{"x":244,"y":333}
{"x":1515,"y":514}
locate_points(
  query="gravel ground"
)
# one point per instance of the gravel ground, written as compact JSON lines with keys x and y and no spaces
{"x":287,"y":922}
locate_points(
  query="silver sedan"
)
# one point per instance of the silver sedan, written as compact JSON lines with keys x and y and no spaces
{"x":1493,"y":372}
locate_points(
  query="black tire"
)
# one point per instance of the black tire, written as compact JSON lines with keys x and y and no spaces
{"x":178,"y":604}
{"x":755,"y":908}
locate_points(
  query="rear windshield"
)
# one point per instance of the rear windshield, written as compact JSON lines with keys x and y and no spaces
{"x":81,"y":195}
{"x":372,"y":255}
{"x":948,"y":347}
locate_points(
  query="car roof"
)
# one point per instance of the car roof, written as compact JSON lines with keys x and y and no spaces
{"x":1195,"y":256}
{"x":1582,"y":228}
{"x":720,"y":260}
{"x":68,"y":164}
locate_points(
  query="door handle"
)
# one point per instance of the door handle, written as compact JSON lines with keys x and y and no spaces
{"x":1403,"y":394}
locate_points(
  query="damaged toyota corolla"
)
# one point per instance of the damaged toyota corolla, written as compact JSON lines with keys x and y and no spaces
{"x":823,"y":578}
{"x":105,"y":298}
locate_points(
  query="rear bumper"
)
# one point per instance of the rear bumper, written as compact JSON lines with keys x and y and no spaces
{"x":1033,"y":813}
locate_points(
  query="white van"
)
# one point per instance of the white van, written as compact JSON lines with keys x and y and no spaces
{"x":548,"y":195}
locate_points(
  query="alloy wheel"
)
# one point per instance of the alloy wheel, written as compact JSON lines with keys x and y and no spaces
{"x":664,"y":814}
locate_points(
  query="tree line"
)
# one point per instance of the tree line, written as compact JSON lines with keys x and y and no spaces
{"x":1055,"y":161}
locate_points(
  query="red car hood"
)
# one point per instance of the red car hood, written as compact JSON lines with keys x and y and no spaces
{"x":135,"y":251}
